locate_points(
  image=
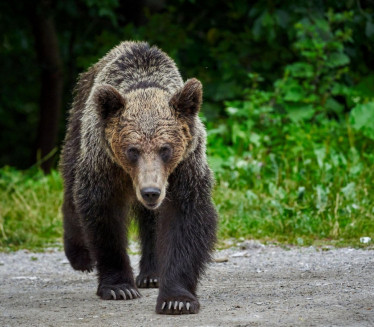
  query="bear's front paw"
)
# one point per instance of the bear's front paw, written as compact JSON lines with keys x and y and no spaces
{"x":147,"y":281}
{"x":118,"y":292}
{"x":176,"y":305}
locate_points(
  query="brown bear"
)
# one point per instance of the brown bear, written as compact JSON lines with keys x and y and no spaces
{"x":135,"y":147}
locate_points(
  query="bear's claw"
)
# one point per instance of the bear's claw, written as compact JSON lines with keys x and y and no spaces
{"x":128,"y":293}
{"x":147,"y":282}
{"x":178,"y":307}
{"x":118,"y":292}
{"x":113,"y":295}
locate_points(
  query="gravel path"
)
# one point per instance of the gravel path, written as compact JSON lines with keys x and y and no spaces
{"x":257,"y":286}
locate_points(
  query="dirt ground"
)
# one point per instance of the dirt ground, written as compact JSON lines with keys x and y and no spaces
{"x":256,"y":286}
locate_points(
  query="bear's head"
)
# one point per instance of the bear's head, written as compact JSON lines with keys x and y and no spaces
{"x":148,"y":133}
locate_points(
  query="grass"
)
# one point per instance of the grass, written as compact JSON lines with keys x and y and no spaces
{"x":289,"y":213}
{"x":316,"y":193}
{"x":30,"y":216}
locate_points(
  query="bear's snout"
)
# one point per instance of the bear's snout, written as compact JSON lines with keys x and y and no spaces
{"x":150,"y":195}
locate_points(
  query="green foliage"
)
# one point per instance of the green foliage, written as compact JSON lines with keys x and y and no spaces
{"x":306,"y":89}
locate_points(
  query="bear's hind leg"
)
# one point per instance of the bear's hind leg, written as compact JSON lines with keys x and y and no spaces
{"x":148,"y":276}
{"x":75,"y":246}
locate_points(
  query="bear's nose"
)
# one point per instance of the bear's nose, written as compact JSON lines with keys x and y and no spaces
{"x":150,"y":194}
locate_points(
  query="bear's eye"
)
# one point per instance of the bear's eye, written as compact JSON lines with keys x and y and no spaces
{"x":132,"y":154}
{"x":165,"y":152}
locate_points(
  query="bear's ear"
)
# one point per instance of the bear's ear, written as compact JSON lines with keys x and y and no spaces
{"x":108,"y":101}
{"x":187,"y":101}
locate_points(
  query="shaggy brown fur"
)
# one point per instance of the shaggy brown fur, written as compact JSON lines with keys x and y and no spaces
{"x":135,"y":143}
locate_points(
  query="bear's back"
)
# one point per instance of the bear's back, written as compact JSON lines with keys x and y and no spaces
{"x":133,"y":65}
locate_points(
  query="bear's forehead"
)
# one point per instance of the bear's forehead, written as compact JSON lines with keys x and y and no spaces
{"x":149,"y":128}
{"x":148,"y":116}
{"x":151,"y":98}
{"x":148,"y":110}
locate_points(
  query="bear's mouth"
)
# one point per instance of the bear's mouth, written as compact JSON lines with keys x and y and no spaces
{"x":152,"y":206}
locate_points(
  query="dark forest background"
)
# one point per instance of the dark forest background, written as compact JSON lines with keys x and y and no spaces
{"x":226,"y":44}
